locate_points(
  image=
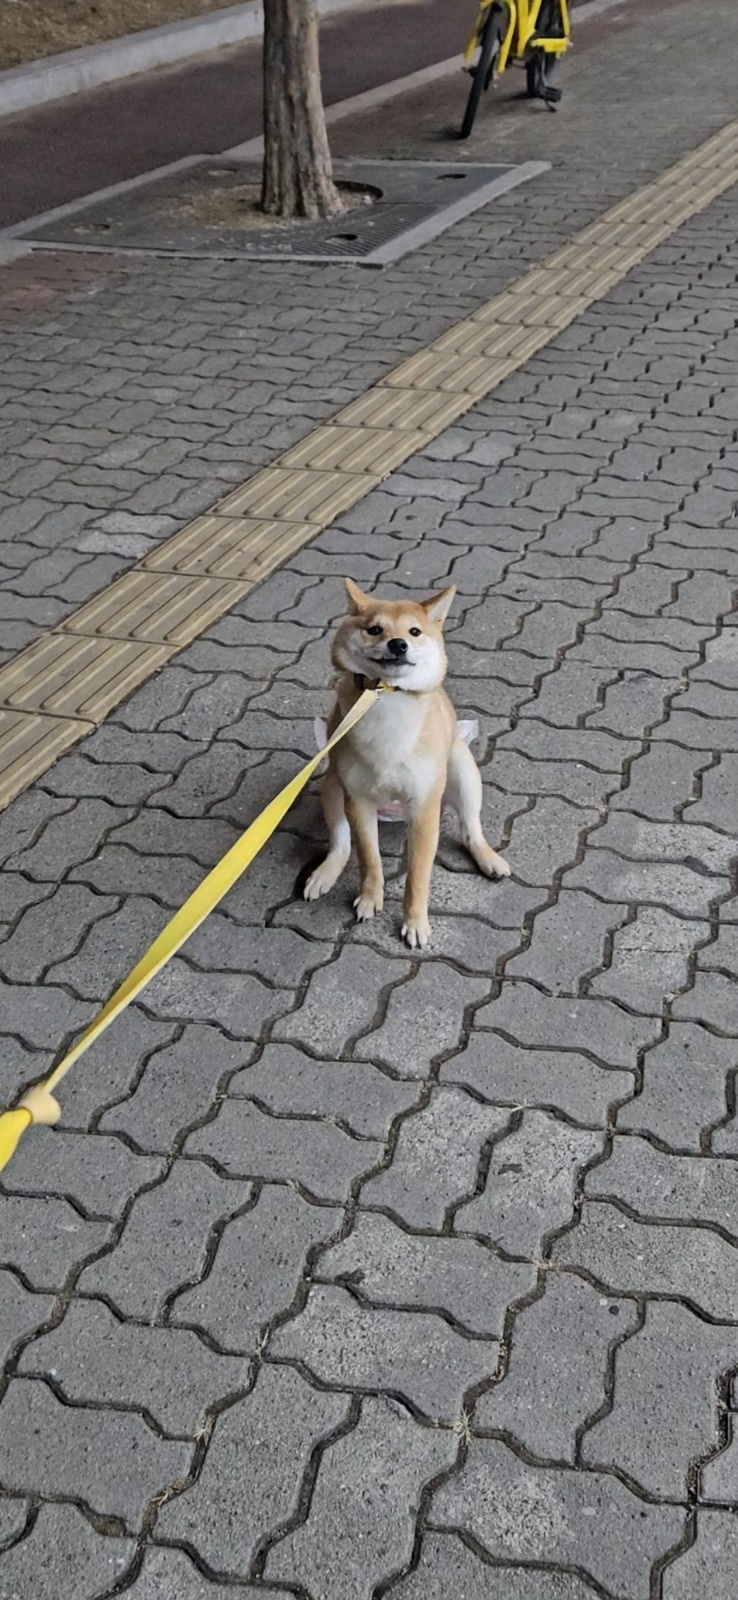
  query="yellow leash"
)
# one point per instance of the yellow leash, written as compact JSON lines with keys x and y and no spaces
{"x":39,"y":1105}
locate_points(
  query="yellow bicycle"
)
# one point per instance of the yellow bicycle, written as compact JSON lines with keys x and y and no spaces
{"x":527,"y":33}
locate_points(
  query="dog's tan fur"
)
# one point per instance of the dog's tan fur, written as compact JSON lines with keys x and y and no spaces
{"x":407,"y":749}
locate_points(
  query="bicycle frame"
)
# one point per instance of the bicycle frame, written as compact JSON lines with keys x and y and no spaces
{"x":521,"y":31}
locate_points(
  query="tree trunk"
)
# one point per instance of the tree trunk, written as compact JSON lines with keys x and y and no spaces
{"x":298,"y":178}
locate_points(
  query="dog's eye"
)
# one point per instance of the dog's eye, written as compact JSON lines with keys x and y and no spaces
{"x":375,"y":630}
{"x":416,"y":632}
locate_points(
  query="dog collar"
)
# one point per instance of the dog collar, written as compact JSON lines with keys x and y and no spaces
{"x":361,"y":683}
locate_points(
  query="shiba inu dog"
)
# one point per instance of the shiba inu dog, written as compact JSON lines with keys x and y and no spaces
{"x":405,"y":750}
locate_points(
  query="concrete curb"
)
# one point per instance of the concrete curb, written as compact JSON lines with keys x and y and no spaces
{"x":76,"y":70}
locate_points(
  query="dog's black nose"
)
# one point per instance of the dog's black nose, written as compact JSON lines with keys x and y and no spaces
{"x":397,"y":647}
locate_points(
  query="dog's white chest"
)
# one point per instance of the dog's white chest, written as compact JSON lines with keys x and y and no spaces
{"x":384,"y":759}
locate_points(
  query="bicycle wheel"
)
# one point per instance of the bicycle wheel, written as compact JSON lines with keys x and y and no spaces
{"x":490,"y":44}
{"x":540,"y":64}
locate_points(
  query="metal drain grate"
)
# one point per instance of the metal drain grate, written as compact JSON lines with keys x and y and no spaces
{"x":174,"y":215}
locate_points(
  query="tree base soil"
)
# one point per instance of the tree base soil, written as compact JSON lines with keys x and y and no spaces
{"x":239,"y":206}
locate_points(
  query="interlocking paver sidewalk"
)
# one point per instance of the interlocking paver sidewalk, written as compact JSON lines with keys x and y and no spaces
{"x":351,"y":1272}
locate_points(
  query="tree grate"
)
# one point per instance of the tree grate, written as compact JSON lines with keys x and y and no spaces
{"x":414,"y":202}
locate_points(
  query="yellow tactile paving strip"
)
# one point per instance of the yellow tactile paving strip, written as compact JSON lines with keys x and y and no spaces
{"x":53,"y":693}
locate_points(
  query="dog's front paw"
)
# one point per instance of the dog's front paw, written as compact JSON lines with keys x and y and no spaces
{"x":416,"y":932}
{"x":321,"y":881}
{"x":492,"y":865}
{"x":368,"y":904}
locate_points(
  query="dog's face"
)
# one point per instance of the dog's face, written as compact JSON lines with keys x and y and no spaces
{"x":398,"y":640}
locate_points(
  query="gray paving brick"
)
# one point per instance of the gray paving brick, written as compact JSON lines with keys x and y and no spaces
{"x":557,"y":1372}
{"x":670,"y":1187}
{"x":664,"y":1415}
{"x":507,"y":1074}
{"x":109,"y":1459}
{"x":630,"y":1257}
{"x":210,"y":707}
{"x":718,"y":1480}
{"x":722,"y":953}
{"x":636,"y":701}
{"x":708,"y":1566}
{"x":467,"y":893}
{"x":104,"y":1074}
{"x":168,"y":1572}
{"x":447,"y":1567}
{"x":408,"y":1354}
{"x":644,"y":592}
{"x":546,"y":838}
{"x":520,"y":775}
{"x":167,"y":879}
{"x":680,"y":888}
{"x":241,"y":1004}
{"x":414,"y":1186}
{"x":98,"y":1175}
{"x":246,"y":1141}
{"x":67,"y":840}
{"x":76,"y":776}
{"x":44,"y":1238}
{"x":116,"y":745}
{"x":157,"y":1253}
{"x":18,"y":1069}
{"x":110,"y":948}
{"x":530,"y":1186}
{"x":716,"y":805}
{"x":63,"y":1549}
{"x":250,"y":1481}
{"x":568,"y":942}
{"x":422,"y":1021}
{"x":721,"y":660}
{"x":361,"y":1523}
{"x":166,"y":1372}
{"x":466,"y":941}
{"x":587,"y":746}
{"x":597,"y":1027}
{"x":279,"y":955}
{"x":155,"y":832}
{"x":700,"y":732}
{"x":681,"y":843}
{"x":341,"y":1001}
{"x":553,"y":626}
{"x":21,"y":1313}
{"x":684,"y":1087}
{"x":650,"y":959}
{"x":17,"y":893}
{"x":13,"y":1518}
{"x":710,"y":701}
{"x":260,"y":1260}
{"x":565,"y":695}
{"x":178,"y":1086}
{"x":492,"y":697}
{"x":206,"y":777}
{"x":41,"y":1016}
{"x":470,"y":661}
{"x":462,"y":1278}
{"x":604,"y":646}
{"x":661,"y":782}
{"x":353,"y":1093}
{"x":712,"y":1000}
{"x":545,"y":1515}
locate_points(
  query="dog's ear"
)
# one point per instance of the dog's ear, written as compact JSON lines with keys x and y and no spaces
{"x":437,"y":607}
{"x":358,"y":601}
